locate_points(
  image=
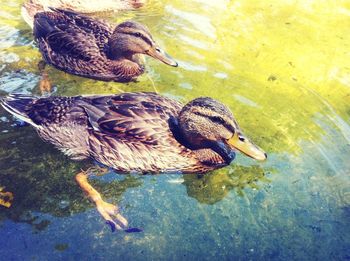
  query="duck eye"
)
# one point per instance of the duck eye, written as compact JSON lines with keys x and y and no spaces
{"x":157,"y":49}
{"x":218,"y":120}
{"x":241,"y":138}
{"x":137,"y":34}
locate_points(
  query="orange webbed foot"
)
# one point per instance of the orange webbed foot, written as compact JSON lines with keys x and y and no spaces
{"x":112,"y":216}
{"x":6,"y":198}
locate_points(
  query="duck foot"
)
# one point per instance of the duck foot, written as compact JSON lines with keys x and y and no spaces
{"x":128,"y":230}
{"x":108,"y":211}
{"x":112,"y":216}
{"x":6,"y":198}
{"x":45,"y":86}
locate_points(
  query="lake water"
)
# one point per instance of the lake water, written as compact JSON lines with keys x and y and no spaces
{"x":283,"y":67}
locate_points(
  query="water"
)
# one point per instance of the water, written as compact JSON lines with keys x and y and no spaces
{"x":283,"y":67}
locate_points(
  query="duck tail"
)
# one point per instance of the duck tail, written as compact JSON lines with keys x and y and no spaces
{"x":19,"y":106}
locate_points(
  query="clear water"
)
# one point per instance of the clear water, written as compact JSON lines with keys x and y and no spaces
{"x":283,"y":67}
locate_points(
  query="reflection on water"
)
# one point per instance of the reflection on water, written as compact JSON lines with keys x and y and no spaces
{"x":213,"y":187}
{"x":44,"y":182}
{"x":283,"y":67}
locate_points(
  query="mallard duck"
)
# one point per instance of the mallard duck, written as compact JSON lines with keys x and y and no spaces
{"x":136,"y":132}
{"x":88,"y":47}
{"x":31,"y":7}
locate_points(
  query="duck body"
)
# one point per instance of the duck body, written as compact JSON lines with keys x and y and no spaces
{"x":130,"y":132}
{"x":78,"y":44}
{"x":88,"y":47}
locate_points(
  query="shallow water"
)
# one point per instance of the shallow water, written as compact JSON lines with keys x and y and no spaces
{"x":283,"y":67}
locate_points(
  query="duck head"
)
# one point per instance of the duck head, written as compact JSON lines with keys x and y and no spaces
{"x":130,"y":39}
{"x":207,"y":123}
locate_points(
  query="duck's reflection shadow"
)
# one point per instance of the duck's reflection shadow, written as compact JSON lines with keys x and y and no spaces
{"x":213,"y":187}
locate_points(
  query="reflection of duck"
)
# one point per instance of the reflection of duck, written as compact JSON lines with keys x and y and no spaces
{"x":138,"y":132}
{"x":209,"y":189}
{"x":31,"y":7}
{"x":87,"y":47}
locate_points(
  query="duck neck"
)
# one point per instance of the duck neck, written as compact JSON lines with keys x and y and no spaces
{"x":176,"y":130}
{"x":127,"y":67}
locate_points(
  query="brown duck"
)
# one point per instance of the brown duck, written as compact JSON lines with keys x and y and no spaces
{"x":136,"y":132}
{"x":88,"y":47}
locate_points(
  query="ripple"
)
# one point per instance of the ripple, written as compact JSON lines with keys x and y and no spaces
{"x":186,"y":85}
{"x":8,"y":36}
{"x":245,"y":100}
{"x":221,"y":75}
{"x":195,"y":54}
{"x":9,"y":57}
{"x":6,"y":15}
{"x":192,"y":67}
{"x":19,"y":81}
{"x":4,"y":119}
{"x":201,"y":23}
{"x":194,"y":42}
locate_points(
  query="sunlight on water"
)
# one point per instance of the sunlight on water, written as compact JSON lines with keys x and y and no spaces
{"x":283,"y":67}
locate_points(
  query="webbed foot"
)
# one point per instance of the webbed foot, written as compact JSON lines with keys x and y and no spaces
{"x":6,"y":198}
{"x":112,"y":216}
{"x":107,"y":210}
{"x":45,"y":85}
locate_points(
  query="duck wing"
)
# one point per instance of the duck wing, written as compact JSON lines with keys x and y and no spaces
{"x":74,"y":43}
{"x":63,"y":37}
{"x":130,"y":132}
{"x":136,"y":117}
{"x":98,"y":28}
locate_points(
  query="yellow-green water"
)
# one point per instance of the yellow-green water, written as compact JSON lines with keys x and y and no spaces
{"x":283,"y":67}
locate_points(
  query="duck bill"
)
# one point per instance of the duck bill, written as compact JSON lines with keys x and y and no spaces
{"x":246,"y":147}
{"x":162,"y":56}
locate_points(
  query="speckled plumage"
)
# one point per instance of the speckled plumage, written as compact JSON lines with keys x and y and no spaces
{"x":130,"y":132}
{"x":79,"y":45}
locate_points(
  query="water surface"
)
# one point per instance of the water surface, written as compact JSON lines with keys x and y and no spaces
{"x":283,"y":67}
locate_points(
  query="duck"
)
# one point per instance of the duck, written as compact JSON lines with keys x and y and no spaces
{"x":88,"y":47}
{"x":31,"y":7}
{"x":135,"y":133}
